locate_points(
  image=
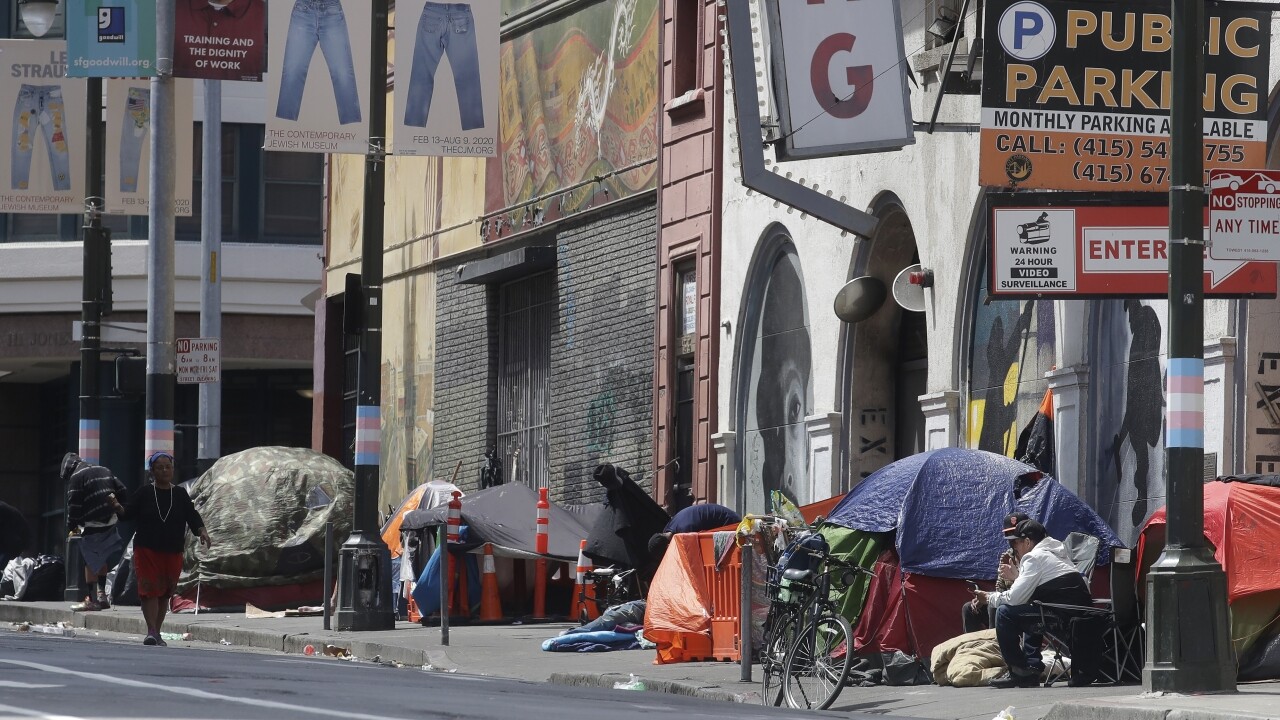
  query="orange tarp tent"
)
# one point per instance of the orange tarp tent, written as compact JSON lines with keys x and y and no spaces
{"x":391,"y":530}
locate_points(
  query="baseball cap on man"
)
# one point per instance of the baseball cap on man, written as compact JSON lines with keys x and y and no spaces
{"x":1029,"y":529}
{"x":1011,"y":522}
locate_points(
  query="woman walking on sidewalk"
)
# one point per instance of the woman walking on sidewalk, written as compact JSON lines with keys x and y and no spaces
{"x":162,"y":513}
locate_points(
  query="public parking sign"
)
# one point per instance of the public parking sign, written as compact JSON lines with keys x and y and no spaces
{"x":1244,"y":214}
{"x":199,"y":360}
{"x":1092,"y":245}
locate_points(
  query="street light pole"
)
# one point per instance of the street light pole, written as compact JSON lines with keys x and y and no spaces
{"x":1188,"y":648}
{"x":94,"y":303}
{"x":364,"y":571}
{"x":160,"y":251}
{"x":209,"y":443}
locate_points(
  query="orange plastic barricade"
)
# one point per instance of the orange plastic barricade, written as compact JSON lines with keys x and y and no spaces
{"x":723,"y":581}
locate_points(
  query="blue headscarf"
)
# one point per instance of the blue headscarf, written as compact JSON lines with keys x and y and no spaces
{"x":159,"y":454}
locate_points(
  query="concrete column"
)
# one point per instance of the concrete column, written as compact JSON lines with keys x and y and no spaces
{"x":725,"y":447}
{"x":1220,"y":405}
{"x":1070,"y":386}
{"x":941,"y":419}
{"x":824,"y":451}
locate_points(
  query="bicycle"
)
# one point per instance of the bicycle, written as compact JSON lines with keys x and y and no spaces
{"x":611,"y":587}
{"x":821,"y":652}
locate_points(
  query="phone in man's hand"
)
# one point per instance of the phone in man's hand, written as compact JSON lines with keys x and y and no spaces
{"x":973,"y":586}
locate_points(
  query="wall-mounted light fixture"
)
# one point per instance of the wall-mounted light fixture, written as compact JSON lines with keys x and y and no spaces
{"x":37,"y":15}
{"x":943,"y":27}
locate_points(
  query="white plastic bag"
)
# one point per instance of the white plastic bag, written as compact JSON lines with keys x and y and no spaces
{"x":1005,"y":714}
{"x":634,"y":684}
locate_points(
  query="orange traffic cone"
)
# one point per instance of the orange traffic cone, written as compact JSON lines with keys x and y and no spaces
{"x":490,"y":601}
{"x":584,"y":588}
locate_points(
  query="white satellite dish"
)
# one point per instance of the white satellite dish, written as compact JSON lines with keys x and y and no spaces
{"x":907,"y":294}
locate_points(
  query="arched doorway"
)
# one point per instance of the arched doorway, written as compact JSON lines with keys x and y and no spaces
{"x":775,"y":384}
{"x":885,"y":358}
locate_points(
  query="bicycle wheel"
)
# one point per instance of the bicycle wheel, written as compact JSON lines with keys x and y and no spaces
{"x":818,"y":663}
{"x":774,"y":656}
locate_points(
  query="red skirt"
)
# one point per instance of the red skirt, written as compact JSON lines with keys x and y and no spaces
{"x":157,"y":572}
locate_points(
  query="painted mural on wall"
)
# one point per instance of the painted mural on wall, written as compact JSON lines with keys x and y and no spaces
{"x":1262,"y":389}
{"x":1013,"y":347}
{"x":408,"y":382}
{"x":779,"y":391}
{"x":579,"y":100}
{"x":1128,"y":422}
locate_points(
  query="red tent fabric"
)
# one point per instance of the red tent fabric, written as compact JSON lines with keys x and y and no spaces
{"x":1243,"y":523}
{"x":911,"y":613}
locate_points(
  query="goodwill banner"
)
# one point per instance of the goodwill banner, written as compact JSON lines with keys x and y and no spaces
{"x":448,"y":53}
{"x":42,"y":163}
{"x":318,"y":87}
{"x":220,"y":42}
{"x":128,"y":161}
{"x":111,"y":38}
{"x":1076,"y":94}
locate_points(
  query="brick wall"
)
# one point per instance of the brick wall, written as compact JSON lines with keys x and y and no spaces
{"x":601,"y":379}
{"x":602,"y":354}
{"x":466,"y":356}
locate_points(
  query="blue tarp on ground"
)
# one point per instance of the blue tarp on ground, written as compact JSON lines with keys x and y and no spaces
{"x":947,"y":506}
{"x":426,"y":593}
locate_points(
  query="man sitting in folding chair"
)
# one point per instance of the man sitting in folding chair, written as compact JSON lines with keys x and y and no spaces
{"x":1038,"y":573}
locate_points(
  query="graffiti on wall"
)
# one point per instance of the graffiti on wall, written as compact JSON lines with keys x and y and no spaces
{"x":780,"y":391}
{"x":1264,"y":415}
{"x":1129,"y":412}
{"x":873,"y":437}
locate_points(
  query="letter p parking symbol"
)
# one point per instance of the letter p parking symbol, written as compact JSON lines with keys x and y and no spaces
{"x":1027,"y":30}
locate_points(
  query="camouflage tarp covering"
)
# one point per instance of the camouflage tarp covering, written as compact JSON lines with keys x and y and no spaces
{"x":255,"y":505}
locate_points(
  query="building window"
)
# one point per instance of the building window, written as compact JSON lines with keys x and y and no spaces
{"x":687,"y":52}
{"x":527,"y":318}
{"x":294,"y":193}
{"x":188,"y":228}
{"x":681,"y":494}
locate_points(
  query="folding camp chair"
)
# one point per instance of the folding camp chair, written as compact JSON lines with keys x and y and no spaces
{"x":1114,"y":622}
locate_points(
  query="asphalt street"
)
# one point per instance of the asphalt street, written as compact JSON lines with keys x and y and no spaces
{"x":84,"y":678}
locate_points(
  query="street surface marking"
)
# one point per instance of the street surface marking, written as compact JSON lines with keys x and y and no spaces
{"x":35,"y":713}
{"x":25,"y":686}
{"x":191,"y":692}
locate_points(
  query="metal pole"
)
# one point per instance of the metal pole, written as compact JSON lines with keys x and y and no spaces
{"x":328,"y":573}
{"x":160,"y":251}
{"x":210,"y":431}
{"x":1188,"y":648}
{"x":747,"y":555}
{"x":443,"y":544}
{"x":365,"y":540}
{"x":95,"y":299}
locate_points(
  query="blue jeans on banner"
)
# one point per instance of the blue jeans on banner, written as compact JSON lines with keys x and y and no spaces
{"x":134,"y":127}
{"x":445,"y":28}
{"x":40,"y":105}
{"x":318,"y":22}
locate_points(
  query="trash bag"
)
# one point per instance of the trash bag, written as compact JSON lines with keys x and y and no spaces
{"x":122,"y":583}
{"x":903,"y":669}
{"x":45,"y":581}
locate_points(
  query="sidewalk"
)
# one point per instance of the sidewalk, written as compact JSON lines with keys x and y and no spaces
{"x":514,"y":651}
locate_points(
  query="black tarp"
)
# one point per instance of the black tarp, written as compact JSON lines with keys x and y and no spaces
{"x":620,"y":536}
{"x":506,"y":515}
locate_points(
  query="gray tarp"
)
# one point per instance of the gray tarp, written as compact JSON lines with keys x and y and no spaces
{"x":506,"y":516}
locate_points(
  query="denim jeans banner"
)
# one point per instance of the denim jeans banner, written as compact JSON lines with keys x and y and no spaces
{"x":129,"y":146}
{"x":448,"y":41}
{"x":318,"y":87}
{"x":43,"y":148}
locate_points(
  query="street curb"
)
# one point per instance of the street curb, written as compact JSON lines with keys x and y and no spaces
{"x":670,"y":687}
{"x":1104,"y":710}
{"x":207,"y":631}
